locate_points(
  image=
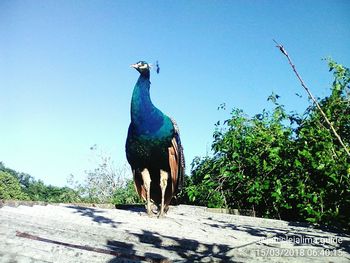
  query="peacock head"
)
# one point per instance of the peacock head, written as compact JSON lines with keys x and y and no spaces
{"x":142,"y":67}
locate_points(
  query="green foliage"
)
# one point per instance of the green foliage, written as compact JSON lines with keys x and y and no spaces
{"x":21,"y":186}
{"x":126,"y":194}
{"x":282,"y":165}
{"x":182,"y":197}
{"x":38,"y":191}
{"x":10,"y":188}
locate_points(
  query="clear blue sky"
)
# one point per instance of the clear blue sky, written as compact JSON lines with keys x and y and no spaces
{"x":65,"y":81}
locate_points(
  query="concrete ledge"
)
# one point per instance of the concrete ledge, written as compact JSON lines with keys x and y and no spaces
{"x":79,"y":233}
{"x":16,"y":203}
{"x":242,"y":212}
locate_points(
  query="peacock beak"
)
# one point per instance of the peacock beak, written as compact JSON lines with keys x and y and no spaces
{"x":136,"y":66}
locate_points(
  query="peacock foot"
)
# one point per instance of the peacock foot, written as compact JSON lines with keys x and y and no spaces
{"x":162,"y":212}
{"x":151,"y":209}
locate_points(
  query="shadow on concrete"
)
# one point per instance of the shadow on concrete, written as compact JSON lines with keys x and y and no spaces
{"x":331,"y":229}
{"x":303,"y":234}
{"x":345,"y":245}
{"x":94,"y":214}
{"x":188,"y":250}
{"x":127,"y":252}
{"x":150,"y":246}
{"x":122,"y":251}
{"x":140,"y":208}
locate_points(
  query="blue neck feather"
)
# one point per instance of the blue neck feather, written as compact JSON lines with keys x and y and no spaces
{"x":145,"y":117}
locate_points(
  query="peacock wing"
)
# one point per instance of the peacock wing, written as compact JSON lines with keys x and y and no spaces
{"x":176,"y":160}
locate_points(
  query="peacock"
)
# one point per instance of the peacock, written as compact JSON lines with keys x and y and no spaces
{"x":153,"y":148}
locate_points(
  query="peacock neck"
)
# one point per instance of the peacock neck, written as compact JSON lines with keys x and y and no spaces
{"x":142,"y":108}
{"x":146,"y":119}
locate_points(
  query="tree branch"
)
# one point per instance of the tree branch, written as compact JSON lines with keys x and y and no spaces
{"x":284,"y":52}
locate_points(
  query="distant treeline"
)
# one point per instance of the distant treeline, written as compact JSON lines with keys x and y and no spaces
{"x":22,"y":186}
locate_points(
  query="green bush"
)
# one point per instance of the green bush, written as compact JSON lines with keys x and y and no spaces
{"x":282,"y":165}
{"x":10,"y":188}
{"x":38,"y":191}
{"x":126,"y":194}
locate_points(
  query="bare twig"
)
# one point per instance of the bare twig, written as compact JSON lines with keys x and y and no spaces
{"x":284,"y":52}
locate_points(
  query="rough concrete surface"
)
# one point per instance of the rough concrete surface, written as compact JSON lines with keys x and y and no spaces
{"x":72,"y":233}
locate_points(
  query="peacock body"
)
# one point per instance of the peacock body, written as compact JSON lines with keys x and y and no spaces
{"x":153,"y":147}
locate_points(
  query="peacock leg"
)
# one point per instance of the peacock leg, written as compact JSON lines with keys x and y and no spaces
{"x":163,"y":184}
{"x":146,"y":178}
